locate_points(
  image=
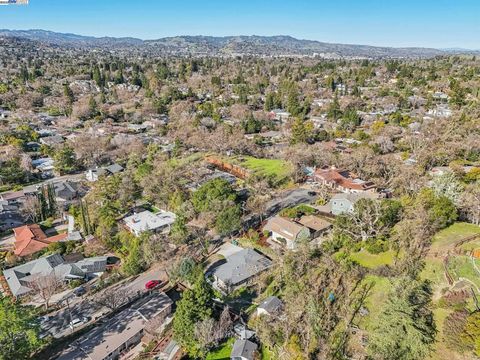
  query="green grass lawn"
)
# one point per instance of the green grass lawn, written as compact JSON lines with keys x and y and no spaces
{"x":462,"y":267}
{"x":223,"y":352}
{"x":375,"y":301}
{"x":433,"y":271}
{"x":371,"y":261}
{"x":279,"y":169}
{"x":448,"y":237}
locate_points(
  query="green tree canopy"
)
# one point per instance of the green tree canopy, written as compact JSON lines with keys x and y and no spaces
{"x":19,"y":334}
{"x":405,"y":328}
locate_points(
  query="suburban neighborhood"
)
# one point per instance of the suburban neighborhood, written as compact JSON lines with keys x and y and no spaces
{"x":244,"y":198}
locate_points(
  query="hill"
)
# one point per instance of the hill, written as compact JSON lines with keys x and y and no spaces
{"x":225,"y":46}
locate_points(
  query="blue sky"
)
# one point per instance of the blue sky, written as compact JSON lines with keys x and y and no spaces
{"x":429,"y":23}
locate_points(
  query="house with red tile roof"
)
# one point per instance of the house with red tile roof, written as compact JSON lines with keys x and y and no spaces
{"x":343,"y":180}
{"x":30,"y":239}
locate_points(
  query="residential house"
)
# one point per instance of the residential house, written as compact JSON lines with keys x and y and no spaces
{"x":52,"y":141}
{"x":45,"y":166}
{"x":123,"y":331}
{"x":440,"y":97}
{"x":21,"y":279}
{"x":148,"y":221}
{"x":10,"y":216}
{"x":66,"y":191}
{"x":345,"y":202}
{"x":442,"y":111}
{"x":30,"y":239}
{"x":317,"y":226}
{"x":239,"y":268}
{"x":280,"y":115}
{"x":287,"y":232}
{"x":270,"y":306}
{"x":94,"y":174}
{"x":244,"y":350}
{"x":343,"y":180}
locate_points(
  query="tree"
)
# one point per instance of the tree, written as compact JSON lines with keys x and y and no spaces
{"x":112,"y":298}
{"x":252,"y":125}
{"x":471,"y":333}
{"x":470,"y":203}
{"x":269,"y":102}
{"x":228,"y":220}
{"x":68,"y":93}
{"x":440,"y":209}
{"x":370,"y":219}
{"x":334,"y":112}
{"x":405,"y":329}
{"x":447,"y":185}
{"x":179,"y":230}
{"x":211,"y":192}
{"x":302,"y":132}
{"x":19,"y":333}
{"x":133,"y":260}
{"x":193,"y":307}
{"x":65,"y":160}
{"x":46,"y":285}
{"x":209,"y":333}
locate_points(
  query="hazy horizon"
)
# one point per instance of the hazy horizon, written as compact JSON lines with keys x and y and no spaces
{"x":432,"y":24}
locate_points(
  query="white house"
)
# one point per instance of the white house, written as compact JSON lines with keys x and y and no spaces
{"x":148,"y":221}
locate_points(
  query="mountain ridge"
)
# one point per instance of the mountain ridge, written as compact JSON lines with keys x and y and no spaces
{"x":276,"y":45}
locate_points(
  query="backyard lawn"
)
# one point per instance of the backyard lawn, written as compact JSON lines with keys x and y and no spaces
{"x":371,"y":261}
{"x":223,"y":352}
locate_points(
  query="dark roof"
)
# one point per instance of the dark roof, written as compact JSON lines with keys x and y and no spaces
{"x":242,"y":266}
{"x":243,"y":349}
{"x":114,"y":168}
{"x":271,"y":304}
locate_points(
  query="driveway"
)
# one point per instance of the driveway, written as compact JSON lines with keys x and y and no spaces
{"x":290,"y":199}
{"x":227,"y":249}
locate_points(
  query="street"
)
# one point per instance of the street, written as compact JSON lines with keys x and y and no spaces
{"x":57,"y":324}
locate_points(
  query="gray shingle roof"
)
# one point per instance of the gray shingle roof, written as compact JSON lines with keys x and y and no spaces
{"x":241,"y":266}
{"x":272,"y":304}
{"x":243,"y":349}
{"x":18,"y":278}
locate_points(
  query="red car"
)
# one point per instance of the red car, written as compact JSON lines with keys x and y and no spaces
{"x":152,"y":284}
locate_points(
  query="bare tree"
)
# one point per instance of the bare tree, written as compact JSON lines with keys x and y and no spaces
{"x":210,"y":333}
{"x":30,"y":208}
{"x":470,"y":203}
{"x":112,"y":298}
{"x":46,"y":285}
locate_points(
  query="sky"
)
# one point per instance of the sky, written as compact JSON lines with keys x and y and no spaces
{"x":398,"y":23}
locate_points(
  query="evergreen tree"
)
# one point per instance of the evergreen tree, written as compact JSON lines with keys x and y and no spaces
{"x":194,"y":306}
{"x":405,"y":328}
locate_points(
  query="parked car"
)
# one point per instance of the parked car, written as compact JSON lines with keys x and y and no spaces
{"x":79,"y":291}
{"x":78,"y":321}
{"x":152,"y":284}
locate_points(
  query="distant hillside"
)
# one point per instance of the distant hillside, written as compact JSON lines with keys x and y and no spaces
{"x":221,"y":46}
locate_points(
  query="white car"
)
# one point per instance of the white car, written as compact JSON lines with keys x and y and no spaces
{"x":78,"y":322}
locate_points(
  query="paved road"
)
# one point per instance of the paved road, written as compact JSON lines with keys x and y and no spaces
{"x":57,"y":179}
{"x":57,"y":324}
{"x":285,"y":200}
